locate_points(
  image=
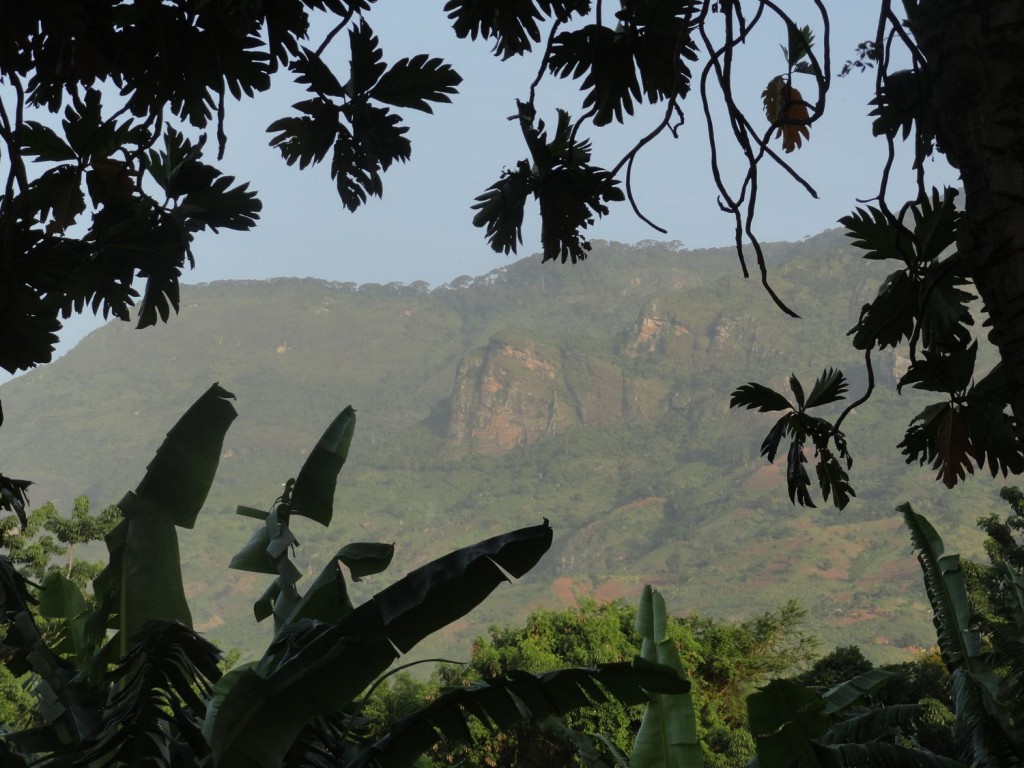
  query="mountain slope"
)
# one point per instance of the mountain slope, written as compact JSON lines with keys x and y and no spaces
{"x":594,"y":395}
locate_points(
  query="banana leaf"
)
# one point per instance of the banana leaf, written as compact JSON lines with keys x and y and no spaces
{"x":668,"y":732}
{"x":785,"y":718}
{"x":312,"y":495}
{"x":879,"y":753}
{"x":503,"y":702}
{"x":983,"y":730}
{"x":261,"y":715}
{"x":874,"y":724}
{"x":327,"y":598}
{"x":60,"y":598}
{"x":179,"y":477}
{"x":142,"y":580}
{"x":849,"y":694}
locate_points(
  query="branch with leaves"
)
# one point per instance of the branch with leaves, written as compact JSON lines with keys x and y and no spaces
{"x":830,"y":453}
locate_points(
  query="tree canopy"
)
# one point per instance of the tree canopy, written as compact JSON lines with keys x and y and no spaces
{"x":111,"y":112}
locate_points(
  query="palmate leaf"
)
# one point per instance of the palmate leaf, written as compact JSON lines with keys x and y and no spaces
{"x":415,"y":82}
{"x":219,"y":205}
{"x":877,"y":235}
{"x":945,"y":313}
{"x":898,"y":103}
{"x":604,"y":59}
{"x":830,"y":387}
{"x":44,"y":144}
{"x":643,"y":57}
{"x":661,"y":43}
{"x":308,"y":138}
{"x":501,"y":207}
{"x":202,"y":196}
{"x":770,"y":444}
{"x":28,"y":328}
{"x":833,"y":479}
{"x":935,"y":224}
{"x":511,"y":25}
{"x":949,"y":371}
{"x":377,"y":139}
{"x":797,"y":480}
{"x":569,"y":198}
{"x":798,"y":391}
{"x":571,"y":192}
{"x":993,"y":437}
{"x":956,"y":436}
{"x":993,"y":430}
{"x":367,"y":63}
{"x":57,"y":191}
{"x":890,"y":318}
{"x":504,"y":702}
{"x":757,"y":396}
{"x":311,"y":72}
{"x":260,"y":716}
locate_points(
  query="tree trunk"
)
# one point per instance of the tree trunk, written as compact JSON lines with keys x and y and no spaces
{"x":975,"y":58}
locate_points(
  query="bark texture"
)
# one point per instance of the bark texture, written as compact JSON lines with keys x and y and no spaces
{"x":975,"y":59}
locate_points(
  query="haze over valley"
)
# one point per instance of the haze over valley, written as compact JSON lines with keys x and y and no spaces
{"x":595,"y":396}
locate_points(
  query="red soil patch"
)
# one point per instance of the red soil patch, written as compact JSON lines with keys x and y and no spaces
{"x":855,"y":616}
{"x":614,"y":590}
{"x":766,"y":478}
{"x":644,"y":502}
{"x":562,"y":588}
{"x":205,"y":626}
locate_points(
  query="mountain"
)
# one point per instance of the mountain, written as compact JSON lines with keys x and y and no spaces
{"x":594,"y":395}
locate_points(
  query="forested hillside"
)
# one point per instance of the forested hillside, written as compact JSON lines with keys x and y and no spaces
{"x":595,"y":396}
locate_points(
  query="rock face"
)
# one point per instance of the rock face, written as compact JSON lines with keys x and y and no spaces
{"x":653,"y":329}
{"x":517,"y":390}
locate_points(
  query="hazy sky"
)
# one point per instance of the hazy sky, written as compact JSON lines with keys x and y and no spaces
{"x":422,"y":228}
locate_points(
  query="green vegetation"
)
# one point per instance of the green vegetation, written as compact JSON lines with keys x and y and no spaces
{"x":956,"y":705}
{"x":966,"y":713}
{"x":126,"y":680}
{"x":43,"y":549}
{"x":668,"y":491}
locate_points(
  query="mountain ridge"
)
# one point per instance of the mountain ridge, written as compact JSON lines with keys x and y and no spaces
{"x":596,"y":396}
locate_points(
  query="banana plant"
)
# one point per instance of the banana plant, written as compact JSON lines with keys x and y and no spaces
{"x":792,"y":723}
{"x":140,"y":687}
{"x":668,"y":732}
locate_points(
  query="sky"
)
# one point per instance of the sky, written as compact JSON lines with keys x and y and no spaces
{"x":422,"y":228}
